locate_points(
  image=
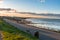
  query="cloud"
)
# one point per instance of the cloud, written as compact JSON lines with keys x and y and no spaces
{"x":42,"y":1}
{"x":1,"y":1}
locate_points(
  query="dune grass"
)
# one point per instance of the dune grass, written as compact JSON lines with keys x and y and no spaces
{"x":10,"y":32}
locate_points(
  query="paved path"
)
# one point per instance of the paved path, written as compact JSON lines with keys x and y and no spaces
{"x":44,"y":34}
{"x":49,"y":35}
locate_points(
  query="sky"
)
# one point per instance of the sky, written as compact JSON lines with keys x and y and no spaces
{"x":35,"y":6}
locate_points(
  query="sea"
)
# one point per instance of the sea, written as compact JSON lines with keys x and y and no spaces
{"x":51,"y":24}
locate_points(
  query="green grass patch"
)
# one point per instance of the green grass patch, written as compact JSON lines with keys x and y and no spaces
{"x":10,"y":32}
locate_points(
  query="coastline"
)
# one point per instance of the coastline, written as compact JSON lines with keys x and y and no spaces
{"x":31,"y":29}
{"x":27,"y":23}
{"x":43,"y":27}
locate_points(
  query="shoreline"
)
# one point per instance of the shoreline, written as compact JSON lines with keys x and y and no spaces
{"x":25,"y":22}
{"x":47,"y":33}
{"x":43,"y":27}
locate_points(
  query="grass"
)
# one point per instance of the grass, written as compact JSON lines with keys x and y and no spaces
{"x":10,"y":32}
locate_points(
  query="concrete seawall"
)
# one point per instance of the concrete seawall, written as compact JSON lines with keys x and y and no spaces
{"x":24,"y":28}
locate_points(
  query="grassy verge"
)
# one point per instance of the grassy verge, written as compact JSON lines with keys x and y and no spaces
{"x":12,"y":33}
